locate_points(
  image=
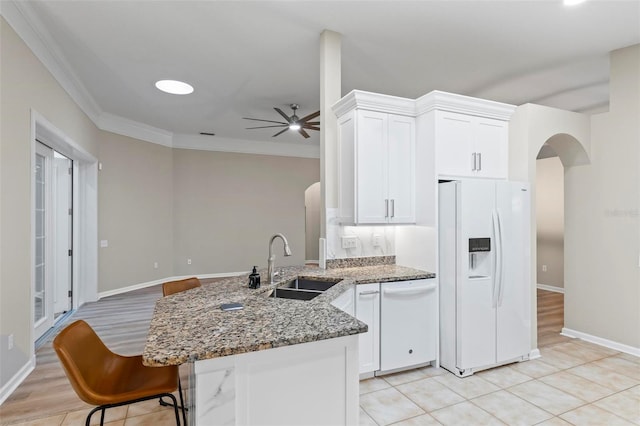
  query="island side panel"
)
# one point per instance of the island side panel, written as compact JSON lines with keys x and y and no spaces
{"x":306,"y":384}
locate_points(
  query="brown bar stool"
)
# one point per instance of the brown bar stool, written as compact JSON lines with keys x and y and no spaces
{"x":172,"y":287}
{"x":103,"y":378}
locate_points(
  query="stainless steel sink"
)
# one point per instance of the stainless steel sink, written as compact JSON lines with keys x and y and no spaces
{"x":301,"y":289}
{"x":306,"y":284}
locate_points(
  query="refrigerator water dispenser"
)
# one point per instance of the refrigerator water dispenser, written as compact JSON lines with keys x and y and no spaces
{"x":479,"y":257}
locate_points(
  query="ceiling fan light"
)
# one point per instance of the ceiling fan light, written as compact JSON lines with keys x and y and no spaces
{"x":174,"y":87}
{"x":294,"y":126}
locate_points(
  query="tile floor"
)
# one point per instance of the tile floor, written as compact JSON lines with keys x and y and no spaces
{"x":573,"y":383}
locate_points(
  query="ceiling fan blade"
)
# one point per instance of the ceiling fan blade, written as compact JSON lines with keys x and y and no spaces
{"x":310,"y":116}
{"x":267,"y":121}
{"x":286,"y":117}
{"x":267,"y":127}
{"x":313,"y":123}
{"x":281,"y":132}
{"x":303,"y":133}
{"x":311,"y":127}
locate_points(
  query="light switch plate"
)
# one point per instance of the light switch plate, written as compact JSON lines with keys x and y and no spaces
{"x":349,"y":241}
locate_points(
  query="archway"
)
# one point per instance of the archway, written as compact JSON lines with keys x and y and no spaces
{"x":558,"y":152}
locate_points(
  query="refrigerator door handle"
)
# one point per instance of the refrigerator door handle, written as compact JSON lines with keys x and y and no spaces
{"x":501,"y":242}
{"x":497,"y":264}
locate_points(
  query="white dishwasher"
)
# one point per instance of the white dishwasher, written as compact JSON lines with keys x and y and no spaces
{"x":408,"y":323}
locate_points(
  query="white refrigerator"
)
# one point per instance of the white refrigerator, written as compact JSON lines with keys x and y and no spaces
{"x":484,"y":261}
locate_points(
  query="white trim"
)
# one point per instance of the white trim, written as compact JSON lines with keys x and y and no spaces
{"x":443,"y":101}
{"x":17,"y":379}
{"x":244,"y":146}
{"x":550,"y":288}
{"x":26,"y":23}
{"x":134,"y":129}
{"x":621,"y":347}
{"x":164,"y":280}
{"x":375,"y":102}
{"x":535,"y":353}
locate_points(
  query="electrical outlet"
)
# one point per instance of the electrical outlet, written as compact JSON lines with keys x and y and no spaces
{"x":10,"y":342}
{"x":376,"y":240}
{"x":349,"y":241}
{"x":155,"y":265}
{"x":544,"y":268}
{"x":188,"y":261}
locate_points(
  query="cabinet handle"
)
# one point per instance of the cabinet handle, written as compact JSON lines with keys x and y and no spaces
{"x":386,"y":208}
{"x":474,"y":161}
{"x":393,"y":208}
{"x":410,"y":291}
{"x":368,"y":293}
{"x":479,"y":161}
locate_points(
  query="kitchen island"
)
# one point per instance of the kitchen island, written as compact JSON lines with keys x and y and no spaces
{"x":276,"y":361}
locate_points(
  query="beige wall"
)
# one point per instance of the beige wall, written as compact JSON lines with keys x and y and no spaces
{"x":25,"y":85}
{"x":227,"y":206}
{"x":550,"y":221}
{"x":602,"y":236}
{"x":135,"y":194}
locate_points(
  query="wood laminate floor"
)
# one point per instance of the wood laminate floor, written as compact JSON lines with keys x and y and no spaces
{"x":580,"y":375}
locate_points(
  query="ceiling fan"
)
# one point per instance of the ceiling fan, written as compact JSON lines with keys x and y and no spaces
{"x":291,"y":123}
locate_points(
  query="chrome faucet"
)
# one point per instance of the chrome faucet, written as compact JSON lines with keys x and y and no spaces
{"x":272,"y":257}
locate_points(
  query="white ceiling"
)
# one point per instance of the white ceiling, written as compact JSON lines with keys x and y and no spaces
{"x":244,"y":58}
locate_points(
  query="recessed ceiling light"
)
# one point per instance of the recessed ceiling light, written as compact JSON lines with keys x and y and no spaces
{"x":174,"y":87}
{"x":573,"y":2}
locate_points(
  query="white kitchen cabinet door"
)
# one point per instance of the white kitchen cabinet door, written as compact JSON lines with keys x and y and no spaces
{"x":409,"y":323}
{"x":371,"y":167}
{"x":346,"y":302}
{"x":454,"y":148}
{"x":490,"y":140}
{"x":401,"y":169}
{"x":368,"y":311}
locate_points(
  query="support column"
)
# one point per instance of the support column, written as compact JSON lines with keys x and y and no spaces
{"x":330,"y":93}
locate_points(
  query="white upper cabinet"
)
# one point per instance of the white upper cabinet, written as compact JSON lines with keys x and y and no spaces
{"x":376,"y":164}
{"x":471,"y":146}
{"x":469,"y":136}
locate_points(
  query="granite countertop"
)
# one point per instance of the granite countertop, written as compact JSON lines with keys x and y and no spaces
{"x":190,"y":326}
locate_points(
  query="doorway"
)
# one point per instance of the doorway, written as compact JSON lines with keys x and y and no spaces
{"x":64,"y":228}
{"x":53,"y":238}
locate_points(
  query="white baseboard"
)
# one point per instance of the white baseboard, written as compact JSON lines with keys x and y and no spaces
{"x":602,"y":342}
{"x":535,"y":353}
{"x":551,"y":288}
{"x":164,"y":280}
{"x":17,"y":379}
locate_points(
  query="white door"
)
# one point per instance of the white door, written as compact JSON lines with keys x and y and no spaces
{"x":490,"y":138}
{"x":476,"y":313}
{"x":408,"y":323}
{"x":371,"y":173}
{"x":454,"y":150}
{"x":513,"y":299}
{"x":43,"y":273}
{"x":368,"y":311}
{"x":62,"y":210}
{"x":400,"y":152}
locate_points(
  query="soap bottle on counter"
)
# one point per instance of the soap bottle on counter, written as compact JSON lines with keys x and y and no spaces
{"x":254,"y":279}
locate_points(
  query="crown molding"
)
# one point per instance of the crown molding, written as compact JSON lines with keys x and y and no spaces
{"x":443,"y":101}
{"x":374,"y":102}
{"x":134,"y":129}
{"x":26,"y":23}
{"x":243,"y":146}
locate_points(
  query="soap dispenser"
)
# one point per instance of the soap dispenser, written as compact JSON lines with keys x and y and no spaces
{"x":254,"y":279}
